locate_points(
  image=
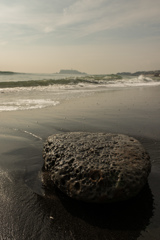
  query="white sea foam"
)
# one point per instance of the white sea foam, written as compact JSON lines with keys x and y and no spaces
{"x":26,"y":104}
{"x":33,"y":135}
{"x":121,"y":83}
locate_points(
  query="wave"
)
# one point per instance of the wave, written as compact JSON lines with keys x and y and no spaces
{"x":34,"y":94}
{"x":96,"y":79}
{"x":83,"y":81}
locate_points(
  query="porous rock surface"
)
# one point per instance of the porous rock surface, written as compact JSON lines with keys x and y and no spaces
{"x":96,"y":167}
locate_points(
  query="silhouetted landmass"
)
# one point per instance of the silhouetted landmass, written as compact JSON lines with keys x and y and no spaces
{"x":7,"y":72}
{"x":66,"y":71}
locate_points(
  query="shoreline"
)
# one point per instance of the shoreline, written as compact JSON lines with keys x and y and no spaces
{"x":129,"y":111}
{"x":26,"y":208}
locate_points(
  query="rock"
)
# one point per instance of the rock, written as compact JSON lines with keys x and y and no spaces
{"x":96,"y":167}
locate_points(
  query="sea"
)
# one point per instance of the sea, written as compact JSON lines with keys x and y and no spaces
{"x":25,"y":91}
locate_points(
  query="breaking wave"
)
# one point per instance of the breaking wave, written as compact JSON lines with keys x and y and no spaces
{"x":23,"y":94}
{"x":89,"y":80}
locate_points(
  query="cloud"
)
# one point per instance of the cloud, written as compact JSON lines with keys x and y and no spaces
{"x":77,"y":19}
{"x":95,"y":16}
{"x":3,"y":43}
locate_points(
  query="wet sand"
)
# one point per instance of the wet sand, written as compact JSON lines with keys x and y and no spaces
{"x":28,"y":211}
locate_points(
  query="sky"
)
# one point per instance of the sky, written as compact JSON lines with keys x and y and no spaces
{"x":92,"y":36}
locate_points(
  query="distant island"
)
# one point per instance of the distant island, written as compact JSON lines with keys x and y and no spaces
{"x":155,"y":73}
{"x":66,"y":71}
{"x":7,"y":72}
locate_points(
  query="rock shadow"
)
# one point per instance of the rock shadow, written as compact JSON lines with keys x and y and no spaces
{"x":129,"y":218}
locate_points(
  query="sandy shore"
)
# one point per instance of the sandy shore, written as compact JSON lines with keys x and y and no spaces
{"x":29,"y":212}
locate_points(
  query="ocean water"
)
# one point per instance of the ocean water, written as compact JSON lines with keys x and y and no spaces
{"x":23,"y":91}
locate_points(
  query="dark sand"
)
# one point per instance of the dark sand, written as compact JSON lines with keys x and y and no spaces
{"x":27,"y":211}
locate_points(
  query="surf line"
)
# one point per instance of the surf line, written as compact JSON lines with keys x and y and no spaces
{"x":23,"y":131}
{"x":32,"y":134}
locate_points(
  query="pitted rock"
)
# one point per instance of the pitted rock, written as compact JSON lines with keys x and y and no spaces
{"x":96,"y":167}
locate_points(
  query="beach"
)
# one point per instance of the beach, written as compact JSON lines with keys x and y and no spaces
{"x":29,"y":211}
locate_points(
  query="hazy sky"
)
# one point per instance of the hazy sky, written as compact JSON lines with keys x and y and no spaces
{"x":94,"y":36}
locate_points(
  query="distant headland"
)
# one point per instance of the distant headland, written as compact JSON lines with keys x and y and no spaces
{"x":7,"y":72}
{"x":67,"y":71}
